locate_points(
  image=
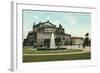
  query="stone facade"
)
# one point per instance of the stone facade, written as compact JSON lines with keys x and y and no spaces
{"x":41,"y":34}
{"x":77,"y":40}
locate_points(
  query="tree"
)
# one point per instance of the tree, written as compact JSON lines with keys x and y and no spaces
{"x":25,"y":42}
{"x":66,"y":42}
{"x":86,"y":40}
{"x":47,"y":43}
{"x":58,"y":42}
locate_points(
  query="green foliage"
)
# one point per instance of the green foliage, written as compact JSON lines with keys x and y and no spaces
{"x":39,"y":58}
{"x":86,"y":42}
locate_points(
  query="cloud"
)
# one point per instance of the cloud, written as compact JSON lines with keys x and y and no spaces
{"x":48,"y":18}
{"x":56,"y":22}
{"x":71,"y":19}
{"x":66,"y":17}
{"x":73,"y":22}
{"x":35,"y":17}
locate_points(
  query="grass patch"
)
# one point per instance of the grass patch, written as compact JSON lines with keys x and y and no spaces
{"x":30,"y":51}
{"x":39,"y":58}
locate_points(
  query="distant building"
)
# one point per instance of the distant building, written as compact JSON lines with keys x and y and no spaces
{"x":41,"y":34}
{"x":77,"y":40}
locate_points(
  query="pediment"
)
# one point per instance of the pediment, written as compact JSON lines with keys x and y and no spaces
{"x":47,"y":24}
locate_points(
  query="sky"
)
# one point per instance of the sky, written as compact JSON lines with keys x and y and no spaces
{"x":75,"y":23}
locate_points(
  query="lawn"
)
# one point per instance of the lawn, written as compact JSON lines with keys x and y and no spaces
{"x":56,"y":57}
{"x":39,"y":58}
{"x":29,"y":51}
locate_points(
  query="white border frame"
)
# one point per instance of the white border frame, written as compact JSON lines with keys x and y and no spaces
{"x":16,"y":60}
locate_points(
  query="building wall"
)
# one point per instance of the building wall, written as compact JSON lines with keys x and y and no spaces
{"x":77,"y":41}
{"x":43,"y":32}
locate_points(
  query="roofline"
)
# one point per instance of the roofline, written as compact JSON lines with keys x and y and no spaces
{"x":77,"y":37}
